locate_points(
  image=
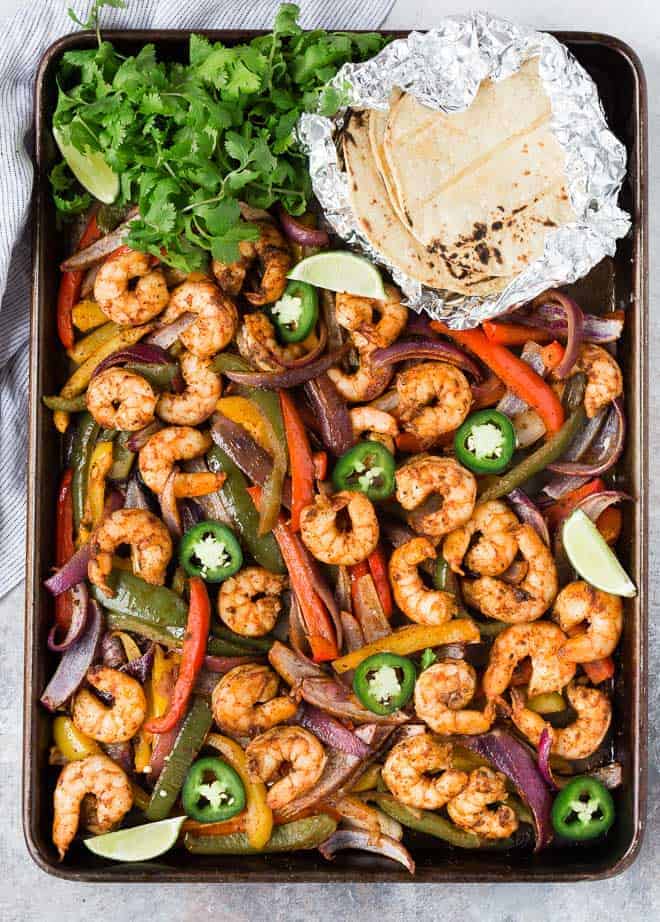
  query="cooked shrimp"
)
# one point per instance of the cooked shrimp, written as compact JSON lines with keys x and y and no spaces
{"x":292,"y":757}
{"x":377,"y":425}
{"x":366,"y":381}
{"x":441,"y":492}
{"x":249,"y":603}
{"x":381,"y":322}
{"x":257,"y":342}
{"x":425,"y":606}
{"x":579,"y":603}
{"x":96,"y":776}
{"x":151,"y":547}
{"x":604,"y":378}
{"x":496,"y":547}
{"x":579,"y":739}
{"x":274,"y":256}
{"x":164,"y":448}
{"x":118,"y":722}
{"x":327,"y":541}
{"x":541,"y":642}
{"x":469,"y":809}
{"x":120,"y":399}
{"x":442,"y":694}
{"x":216,"y":322}
{"x":434,"y":398}
{"x":198,"y":400}
{"x":117,"y":301}
{"x":412,"y":773}
{"x":245,"y":700}
{"x":527,"y":600}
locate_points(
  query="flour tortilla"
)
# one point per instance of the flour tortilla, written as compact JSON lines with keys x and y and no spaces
{"x":486,"y":185}
{"x":381,"y":226}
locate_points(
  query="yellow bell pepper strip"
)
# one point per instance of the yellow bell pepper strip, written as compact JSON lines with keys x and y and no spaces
{"x":410,"y":639}
{"x":99,"y":467}
{"x":131,"y":649}
{"x":61,"y":421}
{"x":368,"y":780}
{"x":302,"y":463}
{"x":89,"y":344}
{"x":70,"y":285}
{"x":126,"y":336}
{"x":72,"y":742}
{"x":87,"y":315}
{"x":259,"y":816}
{"x":243,"y":411}
{"x":158,"y":690}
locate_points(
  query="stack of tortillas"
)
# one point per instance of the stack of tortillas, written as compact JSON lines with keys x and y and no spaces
{"x":463,"y":201}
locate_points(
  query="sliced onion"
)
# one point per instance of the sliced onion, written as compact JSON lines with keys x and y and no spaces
{"x":141,"y":667}
{"x":610,"y":775}
{"x":169,"y":507}
{"x":136,"y":497}
{"x":584,"y":438}
{"x":292,"y":665}
{"x":121,"y":754}
{"x":514,"y":760}
{"x":297,"y":637}
{"x":331,"y":732}
{"x":511,"y":404}
{"x":552,"y":318}
{"x":574,"y":331}
{"x":368,"y":610}
{"x":403,"y":350}
{"x":88,"y":281}
{"x":300,"y":233}
{"x":80,"y":602}
{"x":597,"y":503}
{"x":191,"y":514}
{"x":420,"y":325}
{"x":211,"y":503}
{"x":545,"y":744}
{"x":529,"y":428}
{"x":222,"y":664}
{"x":289,"y":377}
{"x":335,"y":698}
{"x":353,"y":636}
{"x":100,"y":249}
{"x":75,"y":662}
{"x":140,"y":352}
{"x":607,"y":447}
{"x":73,"y":572}
{"x":559,"y":486}
{"x":166,"y":334}
{"x":137,"y":440}
{"x":364,"y":841}
{"x":112,"y":651}
{"x":529,"y":513}
{"x":332,"y":413}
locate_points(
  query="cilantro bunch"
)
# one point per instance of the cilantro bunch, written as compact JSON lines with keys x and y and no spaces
{"x":189,"y":140}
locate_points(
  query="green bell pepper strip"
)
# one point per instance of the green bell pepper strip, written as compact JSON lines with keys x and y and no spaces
{"x":213,"y":791}
{"x":485,"y":442}
{"x":291,"y":837}
{"x":294,"y":322}
{"x":583,"y":810}
{"x":240,"y":507}
{"x":384,"y":682}
{"x":81,"y":453}
{"x":123,"y":458}
{"x":159,"y":376}
{"x":368,"y":468}
{"x":190,"y":739}
{"x":247,"y":644}
{"x":66,"y":404}
{"x":210,"y":550}
{"x":170,"y":637}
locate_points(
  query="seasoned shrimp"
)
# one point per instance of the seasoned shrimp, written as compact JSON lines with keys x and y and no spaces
{"x":579,"y":739}
{"x":249,"y":603}
{"x":496,"y":547}
{"x":151,"y":547}
{"x":327,"y":541}
{"x":425,"y":606}
{"x":377,"y":425}
{"x":438,"y":492}
{"x":120,"y":399}
{"x":117,"y":301}
{"x":118,"y":722}
{"x":412,"y":773}
{"x":541,"y":642}
{"x":176,"y":443}
{"x":442,"y":694}
{"x":470,"y":809}
{"x":365,"y":382}
{"x":245,"y":701}
{"x":274,"y":257}
{"x":527,"y":600}
{"x":198,"y":400}
{"x":434,"y":398}
{"x":381,"y":322}
{"x":257,"y":342}
{"x":604,"y":378}
{"x":292,"y":757}
{"x":579,"y":603}
{"x":216,"y":322}
{"x":96,"y":776}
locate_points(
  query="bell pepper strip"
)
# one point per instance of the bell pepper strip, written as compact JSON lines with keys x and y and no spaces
{"x":291,"y":837}
{"x":599,"y":670}
{"x":259,"y":816}
{"x":72,"y":742}
{"x":81,"y":454}
{"x":192,"y":657}
{"x":551,"y":355}
{"x":70,"y":285}
{"x":87,"y":315}
{"x":271,"y":501}
{"x":302,"y":463}
{"x":513,"y":334}
{"x":61,"y":421}
{"x":410,"y":639}
{"x":368,"y":780}
{"x":243,"y":411}
{"x":222,"y":828}
{"x":559,"y":510}
{"x":141,"y":799}
{"x":64,"y":547}
{"x":609,"y":524}
{"x":516,"y":374}
{"x":66,"y":404}
{"x":378,"y":569}
{"x":159,"y":688}
{"x":126,"y":336}
{"x":320,"y":461}
{"x":425,"y":821}
{"x":99,"y":468}
{"x":90,"y":344}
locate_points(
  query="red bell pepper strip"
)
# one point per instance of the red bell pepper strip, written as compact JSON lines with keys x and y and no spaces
{"x":378,"y":568}
{"x":300,"y":455}
{"x":513,"y":334}
{"x":552,"y":354}
{"x":516,"y":374}
{"x":557,"y":512}
{"x":192,"y":657}
{"x":599,"y":670}
{"x":64,"y":547}
{"x":70,"y":285}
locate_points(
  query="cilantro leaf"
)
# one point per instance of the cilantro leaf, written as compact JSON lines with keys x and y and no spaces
{"x":428,"y":658}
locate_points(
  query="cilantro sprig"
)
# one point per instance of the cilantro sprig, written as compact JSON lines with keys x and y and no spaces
{"x":190,"y":140}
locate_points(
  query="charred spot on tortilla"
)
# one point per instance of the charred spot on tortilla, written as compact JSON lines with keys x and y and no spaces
{"x":496,"y":225}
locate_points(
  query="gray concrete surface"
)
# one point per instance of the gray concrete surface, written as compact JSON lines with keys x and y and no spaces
{"x":27,"y":895}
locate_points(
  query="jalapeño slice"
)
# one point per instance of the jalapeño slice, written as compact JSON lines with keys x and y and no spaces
{"x":584,"y":809}
{"x":384,"y":682}
{"x":367,"y":468}
{"x":296,"y":313}
{"x":485,"y":442}
{"x":210,"y":550}
{"x":213,"y":791}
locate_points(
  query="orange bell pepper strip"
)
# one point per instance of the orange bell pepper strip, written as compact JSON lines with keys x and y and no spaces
{"x":609,"y":524}
{"x":599,"y":670}
{"x":64,"y":547}
{"x":70,"y":285}
{"x":552,"y":354}
{"x":300,"y":454}
{"x":516,"y":374}
{"x":513,"y":334}
{"x":557,"y":512}
{"x":192,"y":658}
{"x":410,"y":639}
{"x":258,"y":815}
{"x":379,"y":574}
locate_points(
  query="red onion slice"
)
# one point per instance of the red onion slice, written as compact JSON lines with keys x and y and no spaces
{"x":289,"y":377}
{"x":597,"y":503}
{"x":75,"y":661}
{"x":80,"y":603}
{"x":511,"y":404}
{"x":545,"y":744}
{"x":98,"y":250}
{"x":136,"y":497}
{"x":222,"y":664}
{"x":169,"y":507}
{"x":607,"y":446}
{"x":552,"y":318}
{"x":140,"y":352}
{"x":439,"y":350}
{"x":562,"y":484}
{"x":336,"y":699}
{"x":364,"y":841}
{"x":73,"y":572}
{"x":137,"y":440}
{"x":299,"y":232}
{"x":529,"y":513}
{"x":331,"y":732}
{"x":332,"y":413}
{"x":166,"y":334}
{"x":140,"y":668}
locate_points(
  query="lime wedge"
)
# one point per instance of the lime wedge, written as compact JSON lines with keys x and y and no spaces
{"x":593,"y":559}
{"x":90,"y":169}
{"x":339,"y":270}
{"x":141,"y":843}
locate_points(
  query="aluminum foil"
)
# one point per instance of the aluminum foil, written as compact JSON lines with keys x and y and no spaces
{"x":443,"y":69}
